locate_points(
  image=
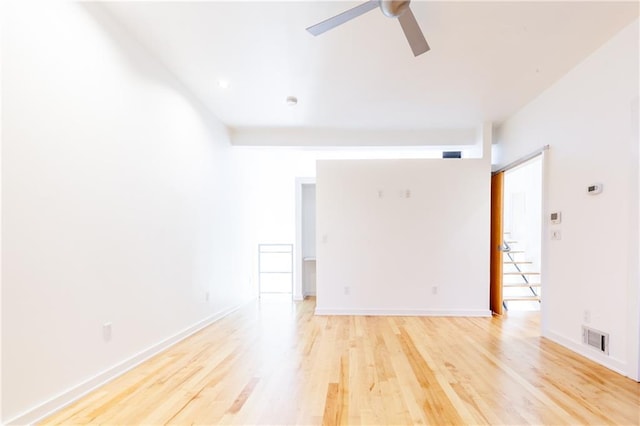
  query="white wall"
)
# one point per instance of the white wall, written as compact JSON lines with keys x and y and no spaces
{"x":118,"y":206}
{"x":388,"y":252}
{"x":447,"y":139}
{"x":634,"y":251}
{"x":266,"y":178}
{"x":587,"y":119}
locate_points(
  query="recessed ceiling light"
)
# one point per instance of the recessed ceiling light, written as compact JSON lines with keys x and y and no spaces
{"x":292,"y":100}
{"x":224,"y":84}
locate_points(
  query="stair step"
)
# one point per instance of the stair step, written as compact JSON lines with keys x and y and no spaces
{"x":522,"y":285}
{"x":522,"y":298}
{"x":521,"y":273}
{"x":511,"y":242}
{"x":522,"y":262}
{"x":514,"y":251}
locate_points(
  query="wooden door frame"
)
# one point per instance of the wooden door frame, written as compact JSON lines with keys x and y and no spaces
{"x":497,"y":234}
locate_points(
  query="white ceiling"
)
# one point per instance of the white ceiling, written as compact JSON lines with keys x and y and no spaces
{"x":487,"y":59}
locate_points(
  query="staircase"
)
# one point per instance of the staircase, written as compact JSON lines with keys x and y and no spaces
{"x":520,"y":284}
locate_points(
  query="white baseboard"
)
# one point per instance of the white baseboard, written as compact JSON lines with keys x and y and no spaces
{"x":406,"y":312}
{"x":71,"y":395}
{"x":611,"y":363}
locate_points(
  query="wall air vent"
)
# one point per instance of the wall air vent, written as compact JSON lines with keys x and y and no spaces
{"x":451,"y":154}
{"x":596,"y":339}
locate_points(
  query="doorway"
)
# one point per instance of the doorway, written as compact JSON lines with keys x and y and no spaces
{"x":305,"y":250}
{"x":517,"y":193}
{"x":522,"y":241}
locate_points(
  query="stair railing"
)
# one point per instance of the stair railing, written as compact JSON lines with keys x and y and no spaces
{"x":506,"y":248}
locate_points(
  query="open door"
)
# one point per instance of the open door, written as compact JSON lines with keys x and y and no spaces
{"x":497,"y":233}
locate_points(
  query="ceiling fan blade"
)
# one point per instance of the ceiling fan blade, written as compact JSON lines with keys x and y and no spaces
{"x":413,"y":33}
{"x":340,"y":19}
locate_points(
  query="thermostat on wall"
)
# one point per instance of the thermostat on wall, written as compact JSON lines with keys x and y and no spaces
{"x":594,"y":189}
{"x":556,"y":217}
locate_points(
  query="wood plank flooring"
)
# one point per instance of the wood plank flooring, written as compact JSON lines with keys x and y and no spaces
{"x":277,"y":363}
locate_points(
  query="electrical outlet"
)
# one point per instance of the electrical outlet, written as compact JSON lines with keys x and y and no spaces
{"x":206,"y":296}
{"x":556,"y":235}
{"x":587,"y":316}
{"x":347,"y":290}
{"x":434,"y":289}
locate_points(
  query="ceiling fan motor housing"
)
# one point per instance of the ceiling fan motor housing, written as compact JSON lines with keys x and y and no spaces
{"x":394,"y":8}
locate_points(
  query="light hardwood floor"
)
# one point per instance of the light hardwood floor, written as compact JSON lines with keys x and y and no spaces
{"x":275,"y":363}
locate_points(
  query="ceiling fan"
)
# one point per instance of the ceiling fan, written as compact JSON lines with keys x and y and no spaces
{"x":390,"y":8}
